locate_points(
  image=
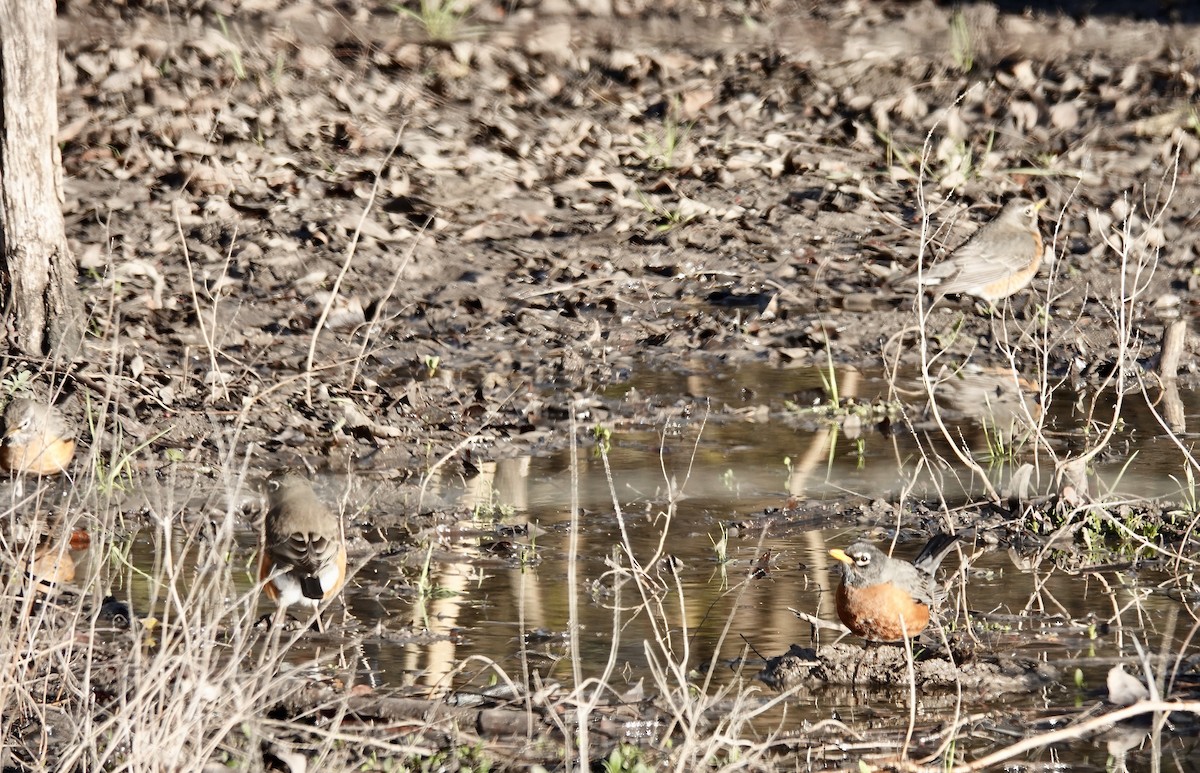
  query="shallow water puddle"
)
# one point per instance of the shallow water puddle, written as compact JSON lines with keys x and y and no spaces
{"x":741,"y":559}
{"x":789,"y":431}
{"x":761,"y":490}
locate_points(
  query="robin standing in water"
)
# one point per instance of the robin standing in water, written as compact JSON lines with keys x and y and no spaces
{"x":888,"y":599}
{"x":303,"y":557}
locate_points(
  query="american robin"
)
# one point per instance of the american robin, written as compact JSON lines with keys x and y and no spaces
{"x":887,"y":599}
{"x":112,"y":610}
{"x":37,"y":439}
{"x":1000,"y":259}
{"x":52,"y":564}
{"x":303,"y":558}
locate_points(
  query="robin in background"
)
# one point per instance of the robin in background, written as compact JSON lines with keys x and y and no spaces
{"x":52,"y":564}
{"x":1000,"y":259}
{"x":887,"y":599}
{"x":303,"y":558}
{"x":37,"y":439}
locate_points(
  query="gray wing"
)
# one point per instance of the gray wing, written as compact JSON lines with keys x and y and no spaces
{"x":984,"y":258}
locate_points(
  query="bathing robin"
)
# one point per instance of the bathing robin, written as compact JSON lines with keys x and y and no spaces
{"x":303,"y":559}
{"x":37,"y":439}
{"x":1000,"y":259}
{"x":52,"y":564}
{"x":887,"y":599}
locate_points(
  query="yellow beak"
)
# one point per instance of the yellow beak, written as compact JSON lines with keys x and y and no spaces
{"x":840,"y":555}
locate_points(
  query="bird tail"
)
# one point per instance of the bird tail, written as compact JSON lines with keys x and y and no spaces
{"x":934,"y":551}
{"x":311,"y":588}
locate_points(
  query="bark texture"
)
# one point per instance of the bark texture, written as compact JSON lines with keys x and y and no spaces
{"x":42,"y":307}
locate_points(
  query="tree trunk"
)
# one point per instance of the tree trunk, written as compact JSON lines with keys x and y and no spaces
{"x":38,"y":274}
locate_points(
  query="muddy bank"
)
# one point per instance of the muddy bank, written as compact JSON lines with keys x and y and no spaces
{"x":562,"y":197}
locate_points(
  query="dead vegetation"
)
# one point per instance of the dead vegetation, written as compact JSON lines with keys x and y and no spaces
{"x":396,"y":241}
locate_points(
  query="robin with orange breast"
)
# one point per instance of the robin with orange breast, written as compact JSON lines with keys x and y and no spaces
{"x":303,"y":557}
{"x":1000,"y":259}
{"x":49,"y":560}
{"x":37,"y":439}
{"x":52,"y":564}
{"x":888,"y":599}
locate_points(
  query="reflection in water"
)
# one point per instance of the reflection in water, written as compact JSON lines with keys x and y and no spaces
{"x":720,"y":607}
{"x":510,"y":600}
{"x":1001,"y":401}
{"x":980,"y":406}
{"x":735,"y":563}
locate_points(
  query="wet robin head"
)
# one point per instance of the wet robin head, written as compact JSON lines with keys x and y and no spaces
{"x":884,"y":598}
{"x":37,"y":439}
{"x":1000,"y":259}
{"x":303,"y":559}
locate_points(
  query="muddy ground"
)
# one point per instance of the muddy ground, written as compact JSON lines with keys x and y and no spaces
{"x":567,"y":192}
{"x":489,"y":227}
